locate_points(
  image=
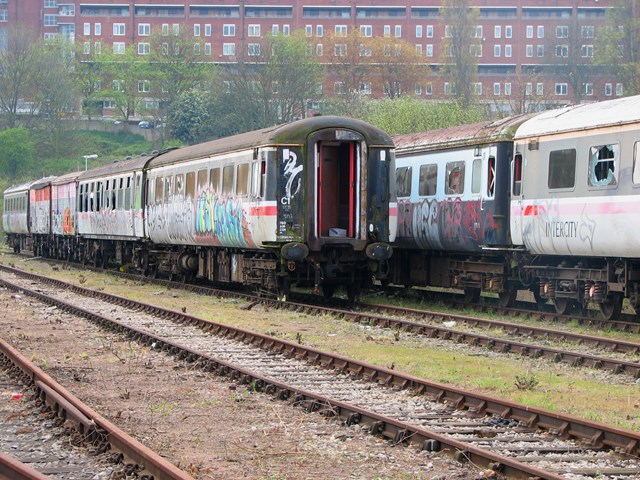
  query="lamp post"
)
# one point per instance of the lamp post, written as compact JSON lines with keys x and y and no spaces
{"x":86,"y":160}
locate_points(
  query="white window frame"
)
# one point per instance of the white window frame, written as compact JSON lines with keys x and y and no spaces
{"x":561,"y":89}
{"x":87,"y":29}
{"x":207,"y":29}
{"x":119,"y":48}
{"x":144,"y":29}
{"x":228,"y":49}
{"x":97,"y":29}
{"x":429,"y":31}
{"x":196,"y":29}
{"x":366,"y":31}
{"x":229,"y":30}
{"x":253,"y":30}
{"x":119,"y":29}
{"x":418,"y":31}
{"x":253,"y":49}
{"x":144,"y":48}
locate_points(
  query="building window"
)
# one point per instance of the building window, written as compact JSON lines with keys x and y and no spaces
{"x":165,"y":29}
{"x":228,"y":49}
{"x":366,"y":31}
{"x":254,"y":49}
{"x":476,"y":87}
{"x":341,"y":30}
{"x":497,"y":31}
{"x":540,"y":50}
{"x":176,"y":29}
{"x":539,"y":89}
{"x":118,"y":48}
{"x":419,"y":49}
{"x":319,"y":31}
{"x":529,"y":31}
{"x":319,"y":50}
{"x":144,"y":29}
{"x":429,"y":31}
{"x":475,"y":50}
{"x":275,"y":30}
{"x":429,"y":47}
{"x":507,"y":51}
{"x":561,"y":88}
{"x":496,"y":89}
{"x":196,"y":30}
{"x":528,"y":89}
{"x":97,"y":48}
{"x":97,"y":29}
{"x":586,"y":51}
{"x":562,"y":50}
{"x":254,"y":30}
{"x":339,"y":88}
{"x":207,"y":49}
{"x":387,"y":31}
{"x":365,"y":88}
{"x":286,"y":30}
{"x":144,"y":48}
{"x":619,"y":89}
{"x":50,"y":3}
{"x":87,"y":29}
{"x":398,"y":31}
{"x":418,"y":31}
{"x":428,"y":89}
{"x":587,"y":31}
{"x":497,"y":51}
{"x":477,"y":33}
{"x":508,"y":31}
{"x":207,"y":30}
{"x":562,"y":31}
{"x":529,"y":50}
{"x":608,"y":89}
{"x":118,"y":29}
{"x":49,"y":20}
{"x":587,"y":88}
{"x":340,"y":50}
{"x":86,"y":48}
{"x":308,"y":30}
{"x":228,"y":30}
{"x":196,"y":49}
{"x":144,"y":86}
{"x":507,"y":89}
{"x":540,"y":31}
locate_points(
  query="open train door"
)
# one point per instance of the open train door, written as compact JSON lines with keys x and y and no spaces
{"x":338,"y":202}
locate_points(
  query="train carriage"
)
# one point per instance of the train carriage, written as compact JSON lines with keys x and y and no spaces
{"x":576,"y":203}
{"x":64,"y":215}
{"x":110,"y":213}
{"x":40,"y":216}
{"x":15,"y":216}
{"x":309,"y":202}
{"x":452,"y":187}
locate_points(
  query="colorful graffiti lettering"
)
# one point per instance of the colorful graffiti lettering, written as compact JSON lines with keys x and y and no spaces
{"x":223,"y":219}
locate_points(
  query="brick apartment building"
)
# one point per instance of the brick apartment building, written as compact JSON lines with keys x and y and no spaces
{"x":523,"y":42}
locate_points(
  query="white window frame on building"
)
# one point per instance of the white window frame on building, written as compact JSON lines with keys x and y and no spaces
{"x":229,"y":30}
{"x":196,"y":29}
{"x":508,"y":31}
{"x":87,"y":29}
{"x":49,"y":19}
{"x":86,"y":48}
{"x":497,"y":31}
{"x":586,"y":51}
{"x":253,"y":49}
{"x":319,"y":30}
{"x":476,"y":88}
{"x":540,"y":51}
{"x":365,"y":88}
{"x":587,"y":31}
{"x":507,"y":89}
{"x":119,"y":29}
{"x":619,"y":89}
{"x":419,"y":49}
{"x":339,"y":88}
{"x":97,"y":48}
{"x":540,"y":31}
{"x":207,"y":29}
{"x":497,"y":52}
{"x":165,"y":29}
{"x":228,"y":49}
{"x":366,"y":31}
{"x":587,"y":88}
{"x":562,"y":51}
{"x":97,"y":29}
{"x":477,"y":32}
{"x":144,"y":48}
{"x":429,"y":31}
{"x":286,"y":30}
{"x":308,"y":30}
{"x":418,"y":31}
{"x":253,"y":30}
{"x":176,"y":29}
{"x":207,"y":49}
{"x":340,"y":30}
{"x":496,"y":89}
{"x":561,"y":89}
{"x":529,"y":31}
{"x":539,"y":89}
{"x":144,"y":86}
{"x":429,"y":47}
{"x":397,"y":31}
{"x":119,"y":48}
{"x":386,"y":32}
{"x":50,"y":3}
{"x":197,"y":48}
{"x":562,"y":31}
{"x":340,"y":50}
{"x":275,"y":30}
{"x":528,"y":88}
{"x":144,"y":29}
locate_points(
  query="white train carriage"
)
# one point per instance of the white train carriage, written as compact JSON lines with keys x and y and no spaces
{"x":15,"y":215}
{"x":576,"y":202}
{"x":110,"y":211}
{"x":64,"y":218}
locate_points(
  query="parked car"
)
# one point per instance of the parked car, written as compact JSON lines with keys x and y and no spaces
{"x":145,"y":124}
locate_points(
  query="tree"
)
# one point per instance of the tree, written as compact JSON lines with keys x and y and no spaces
{"x":17,"y":70}
{"x":619,"y":44}
{"x":190,"y":119}
{"x":16,"y":152}
{"x":461,"y":48}
{"x":397,"y":66}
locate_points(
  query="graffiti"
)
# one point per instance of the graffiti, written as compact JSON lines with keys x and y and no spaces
{"x":451,"y":224}
{"x":172,"y":222}
{"x":291,"y":172}
{"x":222,"y":221}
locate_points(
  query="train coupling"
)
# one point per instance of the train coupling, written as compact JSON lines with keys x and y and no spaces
{"x":379,"y":251}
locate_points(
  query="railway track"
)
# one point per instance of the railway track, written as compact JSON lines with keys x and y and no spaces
{"x":514,"y":439}
{"x":47,"y":433}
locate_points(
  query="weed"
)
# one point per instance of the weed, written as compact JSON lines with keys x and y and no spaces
{"x":526,"y":382}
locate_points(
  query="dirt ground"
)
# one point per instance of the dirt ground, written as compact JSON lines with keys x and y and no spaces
{"x":204,"y":424}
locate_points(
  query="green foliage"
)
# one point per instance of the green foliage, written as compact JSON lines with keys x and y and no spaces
{"x":408,"y":115}
{"x":16,"y":152}
{"x":189,"y":117}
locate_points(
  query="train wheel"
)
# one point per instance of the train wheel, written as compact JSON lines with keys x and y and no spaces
{"x":563,"y":306}
{"x":612,"y":306}
{"x":471,"y":295}
{"x":328,"y":290}
{"x":508,"y":299}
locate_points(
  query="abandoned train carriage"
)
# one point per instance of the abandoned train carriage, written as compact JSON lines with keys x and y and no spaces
{"x":576,"y":203}
{"x":452,"y":187}
{"x":309,"y":202}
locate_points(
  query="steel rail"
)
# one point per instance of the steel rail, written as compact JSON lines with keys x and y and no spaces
{"x":565,"y":426}
{"x":95,"y":428}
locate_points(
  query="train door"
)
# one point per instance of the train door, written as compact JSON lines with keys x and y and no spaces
{"x":515,"y":219}
{"x":337,"y":189}
{"x":136,"y":196}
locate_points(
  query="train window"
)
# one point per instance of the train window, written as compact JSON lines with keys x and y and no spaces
{"x":602,"y":165}
{"x":214,"y":180}
{"x":428,"y":179}
{"x":455,"y":178}
{"x":517,"y":175}
{"x":636,"y":163}
{"x":227,"y":180}
{"x":168,"y":181}
{"x":191,"y":185}
{"x":403,"y":181}
{"x":179,"y":185}
{"x":242,"y":180}
{"x":491,"y":176}
{"x":120,"y":193}
{"x":476,"y":175}
{"x":202,"y":180}
{"x":127,"y":195}
{"x":562,"y":169}
{"x":159,"y":190}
